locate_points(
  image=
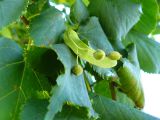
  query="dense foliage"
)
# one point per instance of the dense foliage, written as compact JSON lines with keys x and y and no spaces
{"x":79,"y":66}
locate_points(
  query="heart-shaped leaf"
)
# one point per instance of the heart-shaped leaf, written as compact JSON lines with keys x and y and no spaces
{"x":117,"y":17}
{"x":18,"y":82}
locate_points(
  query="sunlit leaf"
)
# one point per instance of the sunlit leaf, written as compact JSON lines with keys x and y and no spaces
{"x":147,"y":50}
{"x":149,"y":16}
{"x":117,"y":17}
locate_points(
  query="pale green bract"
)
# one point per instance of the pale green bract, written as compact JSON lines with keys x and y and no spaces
{"x":72,"y":40}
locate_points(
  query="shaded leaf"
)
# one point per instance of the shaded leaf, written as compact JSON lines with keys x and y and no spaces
{"x":110,"y":110}
{"x":34,"y":109}
{"x":11,"y":69}
{"x":117,"y":17}
{"x":11,"y":11}
{"x":72,"y":113}
{"x":147,"y":50}
{"x":44,"y":60}
{"x":46,"y":28}
{"x":70,"y":88}
{"x":17,"y":81}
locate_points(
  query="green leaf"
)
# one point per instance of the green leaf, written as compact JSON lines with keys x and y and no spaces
{"x":35,"y":7}
{"x":104,"y":73}
{"x":157,"y":30}
{"x":132,"y":54}
{"x":70,"y":88}
{"x":72,"y":113}
{"x":7,"y":47}
{"x":34,"y":109}
{"x":111,"y":110}
{"x":89,"y":78}
{"x":86,"y":2}
{"x":102,"y":88}
{"x":79,"y":12}
{"x":11,"y":69}
{"x":72,"y":40}
{"x":117,"y":17}
{"x":11,"y":11}
{"x":66,"y":2}
{"x":149,"y":16}
{"x":96,"y":38}
{"x":130,"y":82}
{"x":124,"y":99}
{"x":5,"y":32}
{"x":17,"y":81}
{"x":44,"y":61}
{"x":19,"y":32}
{"x":93,"y":33}
{"x":147,"y":49}
{"x":129,"y":75}
{"x":46,"y":28}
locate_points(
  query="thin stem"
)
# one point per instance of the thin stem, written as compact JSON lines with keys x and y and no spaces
{"x":24,"y":20}
{"x":112,"y":89}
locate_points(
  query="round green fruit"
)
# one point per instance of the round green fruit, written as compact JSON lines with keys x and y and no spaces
{"x":77,"y":70}
{"x":114,"y":55}
{"x":99,"y":54}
